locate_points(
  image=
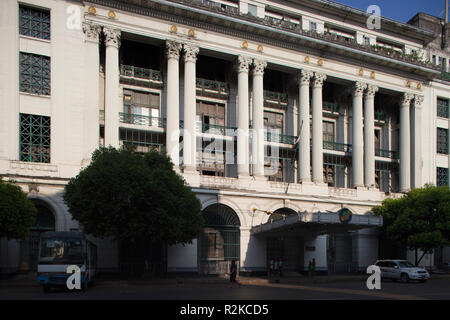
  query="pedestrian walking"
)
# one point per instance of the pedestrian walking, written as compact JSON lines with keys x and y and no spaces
{"x":233,"y":274}
{"x":280,"y":266}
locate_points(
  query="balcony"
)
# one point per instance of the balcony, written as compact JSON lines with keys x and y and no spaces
{"x":218,"y":129}
{"x":272,"y":98}
{"x":212,"y":88}
{"x":141,"y":120}
{"x":279,"y":138}
{"x":336,"y":146}
{"x":330,"y":107}
{"x":139,"y":76}
{"x":390,"y":154}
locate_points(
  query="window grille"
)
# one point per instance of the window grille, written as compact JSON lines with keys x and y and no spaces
{"x":34,"y":22}
{"x":34,"y":73}
{"x":34,"y":138}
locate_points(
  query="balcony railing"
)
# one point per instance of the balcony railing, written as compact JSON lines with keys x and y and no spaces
{"x":330,"y":107}
{"x":206,"y":86}
{"x":141,"y":120}
{"x":275,"y":97}
{"x":217,"y":129}
{"x":140,"y":73}
{"x":386,"y":153}
{"x":380,"y":116}
{"x":279,"y":138}
{"x":337,"y":146}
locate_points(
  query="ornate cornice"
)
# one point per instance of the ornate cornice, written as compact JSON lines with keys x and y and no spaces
{"x":243,"y":63}
{"x":259,"y":66}
{"x":318,"y":79}
{"x":112,"y":37}
{"x":405,"y":99}
{"x":91,"y":31}
{"x":358,"y":88}
{"x":173,"y":49}
{"x":304,"y":77}
{"x":190,"y":53}
{"x":371,"y":90}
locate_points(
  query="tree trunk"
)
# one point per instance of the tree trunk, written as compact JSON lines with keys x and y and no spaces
{"x":423,"y":255}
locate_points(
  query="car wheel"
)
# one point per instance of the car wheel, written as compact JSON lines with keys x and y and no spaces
{"x":404,"y":277}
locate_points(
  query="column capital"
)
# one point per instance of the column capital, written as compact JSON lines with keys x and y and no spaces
{"x":112,"y":37}
{"x":190,"y":53}
{"x":358,"y":88}
{"x":173,"y":49}
{"x":304,"y":77}
{"x":259,"y":66}
{"x":243,"y":63}
{"x":371,"y":90}
{"x":418,"y":100}
{"x":91,"y":31}
{"x":318,"y":79}
{"x":405,"y":99}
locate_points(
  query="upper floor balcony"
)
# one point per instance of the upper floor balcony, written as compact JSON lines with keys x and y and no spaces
{"x":141,"y":120}
{"x":141,"y":76}
{"x":275,"y":99}
{"x":212,"y":88}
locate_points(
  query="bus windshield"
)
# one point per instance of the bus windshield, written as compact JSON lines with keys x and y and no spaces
{"x":61,"y":251}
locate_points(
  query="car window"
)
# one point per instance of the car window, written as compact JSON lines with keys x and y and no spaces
{"x":405,"y":264}
{"x":392,"y":264}
{"x":380,"y":264}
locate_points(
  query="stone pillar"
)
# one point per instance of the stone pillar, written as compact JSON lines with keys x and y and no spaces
{"x":303,"y":124}
{"x":369,"y":136}
{"x":189,"y":129}
{"x":92,"y":89}
{"x":173,"y":102}
{"x":416,"y":142}
{"x":258,"y":117}
{"x":317,"y":126}
{"x":243,"y":152}
{"x":357,"y":135}
{"x":405,"y":143}
{"x":112,"y":101}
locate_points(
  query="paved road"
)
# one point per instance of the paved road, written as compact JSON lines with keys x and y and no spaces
{"x":433,"y":289}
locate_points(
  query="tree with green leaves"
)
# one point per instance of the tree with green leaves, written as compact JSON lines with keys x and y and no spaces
{"x":17,"y":212}
{"x":134,"y":197}
{"x":420,"y":220}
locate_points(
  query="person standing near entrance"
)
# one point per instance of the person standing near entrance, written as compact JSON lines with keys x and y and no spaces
{"x":313,"y":267}
{"x":233,"y":274}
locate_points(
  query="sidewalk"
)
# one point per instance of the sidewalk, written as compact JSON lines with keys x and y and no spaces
{"x":29,"y":280}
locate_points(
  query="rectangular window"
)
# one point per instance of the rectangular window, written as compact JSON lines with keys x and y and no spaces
{"x":141,"y":108}
{"x":313,"y":26}
{"x":34,"y":22}
{"x":328,"y":131}
{"x":442,"y":108}
{"x":441,"y":176}
{"x":434,"y":59}
{"x":366,"y":41}
{"x":273,"y":122}
{"x":442,"y":141}
{"x":34,"y":73}
{"x":34,"y":138}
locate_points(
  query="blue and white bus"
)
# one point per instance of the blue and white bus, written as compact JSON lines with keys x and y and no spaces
{"x":57,"y":251}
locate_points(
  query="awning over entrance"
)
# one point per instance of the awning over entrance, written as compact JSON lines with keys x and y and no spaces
{"x":318,"y":223}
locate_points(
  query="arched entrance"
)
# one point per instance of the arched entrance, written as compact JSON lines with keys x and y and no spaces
{"x":45,"y":221}
{"x":219,"y":242}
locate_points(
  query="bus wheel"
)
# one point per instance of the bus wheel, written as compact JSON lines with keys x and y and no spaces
{"x":46,"y":288}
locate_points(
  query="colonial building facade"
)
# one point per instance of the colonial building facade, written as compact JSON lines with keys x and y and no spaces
{"x":290,"y":120}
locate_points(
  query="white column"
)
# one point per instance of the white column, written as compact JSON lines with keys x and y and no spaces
{"x":243,"y":64}
{"x":189,"y":129}
{"x":92,"y":64}
{"x":405,"y":143}
{"x":317,"y":126}
{"x":258,"y":117}
{"x":369,"y":136}
{"x":417,"y":142}
{"x":303,"y":124}
{"x":357,"y":135}
{"x":173,"y":102}
{"x":112,"y":102}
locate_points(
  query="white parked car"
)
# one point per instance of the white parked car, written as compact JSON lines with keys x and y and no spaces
{"x":402,"y":270}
